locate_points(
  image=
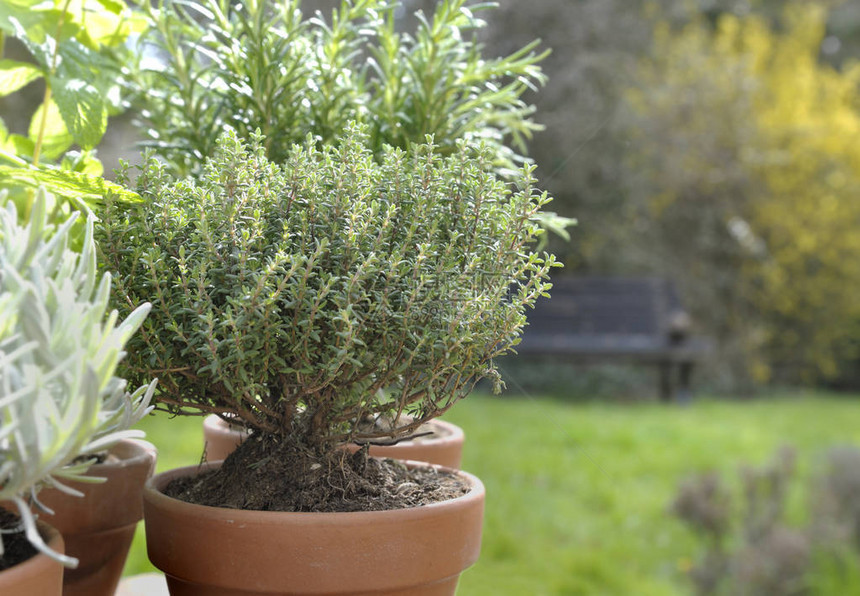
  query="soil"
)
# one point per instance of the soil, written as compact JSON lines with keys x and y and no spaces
{"x":266,"y":473}
{"x":16,"y":547}
{"x":96,"y":458}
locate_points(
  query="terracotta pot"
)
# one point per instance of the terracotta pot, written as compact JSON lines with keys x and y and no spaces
{"x":39,"y":575}
{"x":98,"y":528}
{"x":219,"y":438}
{"x":443,"y":448}
{"x":208,"y":551}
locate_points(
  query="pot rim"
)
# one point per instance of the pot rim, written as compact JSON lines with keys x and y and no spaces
{"x":152,"y":491}
{"x":453,"y":432}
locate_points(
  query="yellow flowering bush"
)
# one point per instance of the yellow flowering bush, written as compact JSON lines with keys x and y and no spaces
{"x":745,"y":170}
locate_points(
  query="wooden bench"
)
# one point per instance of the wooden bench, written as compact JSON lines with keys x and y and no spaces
{"x":617,"y":319}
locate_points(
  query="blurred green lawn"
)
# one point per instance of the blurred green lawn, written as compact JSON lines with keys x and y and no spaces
{"x":577,"y":493}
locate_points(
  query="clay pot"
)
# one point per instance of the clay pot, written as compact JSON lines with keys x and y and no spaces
{"x":39,"y":575}
{"x":220,"y":439}
{"x":209,"y":551}
{"x":98,"y":528}
{"x":443,"y":448}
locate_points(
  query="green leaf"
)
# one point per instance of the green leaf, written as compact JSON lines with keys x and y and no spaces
{"x":57,"y":138}
{"x":18,"y":145}
{"x":112,"y":6}
{"x":34,"y":18}
{"x":83,"y":109}
{"x":83,"y":163}
{"x":80,"y":189}
{"x":102,"y":28}
{"x":36,"y":29}
{"x":15,"y":75}
{"x":558,"y":224}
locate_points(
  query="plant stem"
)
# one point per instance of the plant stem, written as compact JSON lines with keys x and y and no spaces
{"x":40,"y":139}
{"x":38,"y":147}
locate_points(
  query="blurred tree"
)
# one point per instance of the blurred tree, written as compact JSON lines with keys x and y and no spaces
{"x":656,"y":139}
{"x":743,"y":177}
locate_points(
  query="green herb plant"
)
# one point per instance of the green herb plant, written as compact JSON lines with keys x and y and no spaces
{"x":75,"y":49}
{"x":286,"y":296}
{"x":257,"y":64}
{"x":59,"y":398}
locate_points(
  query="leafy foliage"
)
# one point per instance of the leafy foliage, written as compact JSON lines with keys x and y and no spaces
{"x":292,"y":296}
{"x":59,"y":398}
{"x":256,"y":64}
{"x":74,"y":49}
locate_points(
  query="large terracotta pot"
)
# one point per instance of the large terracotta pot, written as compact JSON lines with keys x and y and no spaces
{"x":98,"y":528}
{"x":208,"y":551}
{"x":443,"y":448}
{"x":39,"y":575}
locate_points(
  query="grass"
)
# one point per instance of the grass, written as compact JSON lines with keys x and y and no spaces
{"x":577,"y":494}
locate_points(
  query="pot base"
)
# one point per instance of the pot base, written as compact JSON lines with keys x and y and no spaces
{"x":101,"y":567}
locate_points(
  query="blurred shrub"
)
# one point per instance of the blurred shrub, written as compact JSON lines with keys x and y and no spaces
{"x":748,"y":546}
{"x":742,"y":183}
{"x":583,"y":382}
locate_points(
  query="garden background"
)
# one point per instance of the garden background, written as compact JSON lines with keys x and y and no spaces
{"x":716,"y":143}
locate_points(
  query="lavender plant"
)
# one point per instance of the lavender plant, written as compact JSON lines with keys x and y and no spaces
{"x":285,"y":296}
{"x":59,"y":398}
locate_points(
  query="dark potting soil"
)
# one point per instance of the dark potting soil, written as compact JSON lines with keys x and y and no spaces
{"x":267,"y":475}
{"x":16,"y":547}
{"x":95,"y":458}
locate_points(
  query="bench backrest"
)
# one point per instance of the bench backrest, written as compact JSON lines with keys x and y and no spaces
{"x":639,"y":313}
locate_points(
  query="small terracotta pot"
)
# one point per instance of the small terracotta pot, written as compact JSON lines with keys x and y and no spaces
{"x":209,"y":551}
{"x":444,"y":448}
{"x":98,"y":527}
{"x":39,"y":575}
{"x":220,"y":439}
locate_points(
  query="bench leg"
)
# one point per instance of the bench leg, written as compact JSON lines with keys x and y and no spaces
{"x":681,"y":393}
{"x":685,"y":371}
{"x":666,"y":382}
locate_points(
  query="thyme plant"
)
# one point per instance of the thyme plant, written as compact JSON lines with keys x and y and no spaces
{"x":259,"y":64}
{"x":59,"y":398}
{"x":287,"y":296}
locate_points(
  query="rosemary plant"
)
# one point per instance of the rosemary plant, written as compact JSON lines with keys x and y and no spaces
{"x":287,"y":296}
{"x":258,"y":64}
{"x":59,"y":398}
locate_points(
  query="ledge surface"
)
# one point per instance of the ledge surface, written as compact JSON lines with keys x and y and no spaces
{"x":147,"y":584}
